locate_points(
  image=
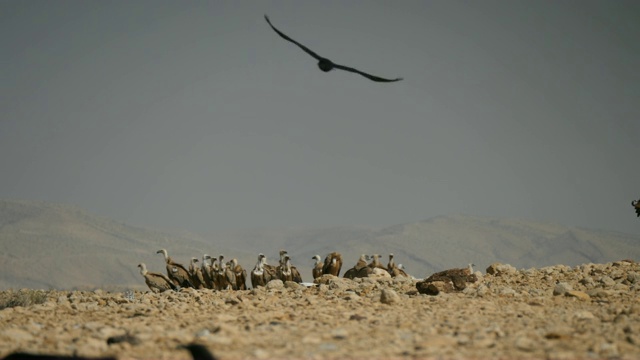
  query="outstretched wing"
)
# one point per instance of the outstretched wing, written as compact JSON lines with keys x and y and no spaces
{"x":368,"y":76}
{"x":282,"y":35}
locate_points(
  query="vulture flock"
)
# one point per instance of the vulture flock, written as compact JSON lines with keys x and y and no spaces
{"x":214,"y":273}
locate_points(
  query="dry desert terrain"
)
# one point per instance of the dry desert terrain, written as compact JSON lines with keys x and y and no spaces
{"x":557,"y":312}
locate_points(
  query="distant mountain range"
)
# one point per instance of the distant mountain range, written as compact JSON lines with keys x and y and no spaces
{"x":45,"y":245}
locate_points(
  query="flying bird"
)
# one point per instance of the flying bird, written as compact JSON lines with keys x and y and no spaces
{"x":325,"y":64}
{"x":636,"y":205}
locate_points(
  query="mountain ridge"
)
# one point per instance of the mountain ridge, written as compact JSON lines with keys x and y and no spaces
{"x":49,"y":245}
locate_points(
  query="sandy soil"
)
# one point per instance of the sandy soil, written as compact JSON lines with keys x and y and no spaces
{"x":590,"y":311}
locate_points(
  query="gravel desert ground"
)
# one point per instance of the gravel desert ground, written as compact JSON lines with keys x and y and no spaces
{"x":558,"y":312}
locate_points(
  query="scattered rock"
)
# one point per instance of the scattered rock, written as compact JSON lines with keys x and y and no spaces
{"x":525,"y":343}
{"x":498,"y":269}
{"x":389,"y":296}
{"x":577,"y":294}
{"x":275,"y":284}
{"x":511,"y":315}
{"x":562,"y":288}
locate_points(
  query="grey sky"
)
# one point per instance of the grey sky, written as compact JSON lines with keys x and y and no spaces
{"x":196,"y":115}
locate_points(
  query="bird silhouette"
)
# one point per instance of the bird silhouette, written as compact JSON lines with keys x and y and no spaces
{"x":325,"y":64}
{"x":636,"y":205}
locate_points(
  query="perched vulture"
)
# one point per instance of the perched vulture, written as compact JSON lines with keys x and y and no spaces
{"x":155,"y":281}
{"x":220,"y":276}
{"x":284,"y":271}
{"x":317,"y":267}
{"x":270,"y":271}
{"x":257,"y":274}
{"x":230,"y":282}
{"x":458,"y":276}
{"x":359,"y":270}
{"x":176,"y":272}
{"x":295,"y":274}
{"x":332,"y":264}
{"x":375,"y":262}
{"x":391,"y":264}
{"x":197,"y":278}
{"x":241,"y":275}
{"x":325,"y":64}
{"x":207,"y":271}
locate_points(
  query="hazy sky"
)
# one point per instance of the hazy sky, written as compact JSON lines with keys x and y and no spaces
{"x":196,"y":115}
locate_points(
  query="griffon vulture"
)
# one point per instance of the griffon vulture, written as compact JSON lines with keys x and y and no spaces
{"x":197,"y":278}
{"x":295,"y":274}
{"x":325,"y":64}
{"x":332,"y":264}
{"x":155,"y":281}
{"x":360,"y":269}
{"x":207,"y":271}
{"x":317,"y":267}
{"x":257,"y":274}
{"x":176,"y":272}
{"x":241,"y":275}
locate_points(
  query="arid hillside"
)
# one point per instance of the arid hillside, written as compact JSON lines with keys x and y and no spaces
{"x":54,"y":246}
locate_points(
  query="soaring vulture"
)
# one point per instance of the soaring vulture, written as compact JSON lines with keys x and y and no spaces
{"x":317,"y":267}
{"x":155,"y":281}
{"x":176,"y":272}
{"x":636,"y":205}
{"x":325,"y":64}
{"x":332,"y":264}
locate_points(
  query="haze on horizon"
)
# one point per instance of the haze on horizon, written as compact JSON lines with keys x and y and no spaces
{"x":196,"y":115}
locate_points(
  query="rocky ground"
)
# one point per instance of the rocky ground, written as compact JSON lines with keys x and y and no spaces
{"x":559,"y":312}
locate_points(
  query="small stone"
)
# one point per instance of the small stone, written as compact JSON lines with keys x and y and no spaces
{"x":293,"y":285}
{"x":483,"y":290}
{"x":389,"y":296}
{"x":275,"y":284}
{"x":607,"y":281}
{"x":583,"y":315}
{"x":498,"y":268}
{"x":525,"y":344}
{"x":607,"y":350}
{"x":506,"y":291}
{"x":599,"y":293}
{"x":17,"y":335}
{"x":339,"y":333}
{"x":577,"y":294}
{"x":561,"y":288}
{"x":91,"y":347}
{"x":633,"y":277}
{"x":311,"y":339}
{"x":261,"y":354}
{"x":588,"y":282}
